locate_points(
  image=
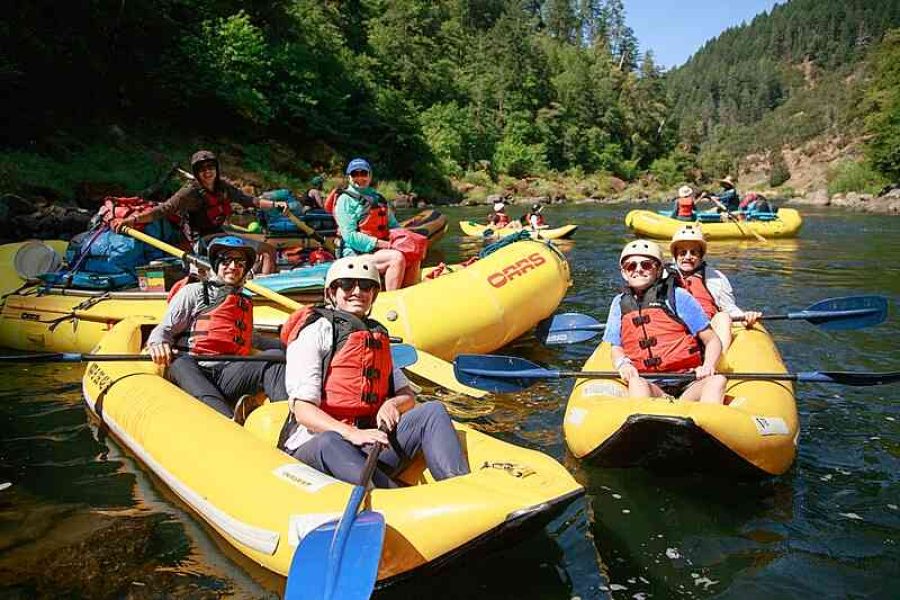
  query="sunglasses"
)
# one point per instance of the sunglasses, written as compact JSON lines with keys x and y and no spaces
{"x":233,"y":260}
{"x":645,"y":265}
{"x":207,"y":167}
{"x":359,"y":173}
{"x":347,"y":285}
{"x":692,"y":251}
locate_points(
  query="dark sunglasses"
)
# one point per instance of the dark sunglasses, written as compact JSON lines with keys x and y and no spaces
{"x":692,"y":251}
{"x":358,"y":173}
{"x":645,"y":265}
{"x":233,"y":260}
{"x":348,"y":284}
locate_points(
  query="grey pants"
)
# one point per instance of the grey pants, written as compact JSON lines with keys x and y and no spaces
{"x":426,"y":428}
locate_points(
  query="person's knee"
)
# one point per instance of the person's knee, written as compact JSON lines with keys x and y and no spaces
{"x":434,"y":412}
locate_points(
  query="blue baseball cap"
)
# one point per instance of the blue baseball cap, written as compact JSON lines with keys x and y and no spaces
{"x":359,"y":164}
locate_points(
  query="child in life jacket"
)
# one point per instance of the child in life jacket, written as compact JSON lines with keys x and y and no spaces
{"x":656,"y":328}
{"x":708,"y":286}
{"x":214,"y":317}
{"x":345,"y":394}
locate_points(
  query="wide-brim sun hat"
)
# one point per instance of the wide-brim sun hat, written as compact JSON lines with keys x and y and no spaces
{"x":498,"y":206}
{"x":685,"y":191}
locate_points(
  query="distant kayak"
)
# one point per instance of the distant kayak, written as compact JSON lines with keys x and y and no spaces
{"x":474,"y":229}
{"x":785,"y":223}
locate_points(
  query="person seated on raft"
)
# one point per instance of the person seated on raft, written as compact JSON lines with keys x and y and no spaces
{"x":752,"y":204}
{"x":708,"y":286}
{"x":685,"y":204}
{"x":656,"y":327}
{"x":209,"y":318}
{"x":206,"y":203}
{"x":314,"y":197}
{"x":728,"y":197}
{"x":364,"y":221}
{"x":345,"y":394}
{"x":534,"y":219}
{"x":499,"y":218}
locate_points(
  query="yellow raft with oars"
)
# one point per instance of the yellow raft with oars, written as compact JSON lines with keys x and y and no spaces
{"x":263,"y":501}
{"x":755,"y":431}
{"x":477,"y":309}
{"x":471,"y":228}
{"x":650,"y":224}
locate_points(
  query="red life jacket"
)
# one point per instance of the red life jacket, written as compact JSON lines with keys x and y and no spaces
{"x":222,"y":328}
{"x":499,"y":219}
{"x":358,"y":368}
{"x":695,"y":284}
{"x":375,"y":223}
{"x":684,"y":207}
{"x":217,"y":209}
{"x":654,"y":336}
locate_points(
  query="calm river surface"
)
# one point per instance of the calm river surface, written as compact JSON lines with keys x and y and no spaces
{"x":83,"y":519}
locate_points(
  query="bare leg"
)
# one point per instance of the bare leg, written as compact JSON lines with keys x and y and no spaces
{"x":392,"y":265}
{"x":710,"y":390}
{"x":638,"y":387}
{"x":721,"y":325}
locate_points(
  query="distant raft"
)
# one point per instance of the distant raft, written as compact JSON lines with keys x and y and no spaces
{"x":755,"y":432}
{"x":479,"y":308}
{"x":263,"y":501}
{"x":471,"y":228}
{"x":785,"y":223}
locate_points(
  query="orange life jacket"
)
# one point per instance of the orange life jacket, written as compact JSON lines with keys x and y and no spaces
{"x":222,"y":328}
{"x":332,"y":198}
{"x":684,"y":207}
{"x":356,"y":371}
{"x":695,"y":284}
{"x":653,"y":335}
{"x":499,"y":219}
{"x":217,"y":209}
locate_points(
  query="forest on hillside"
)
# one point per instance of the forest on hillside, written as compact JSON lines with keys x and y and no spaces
{"x":427,"y":89}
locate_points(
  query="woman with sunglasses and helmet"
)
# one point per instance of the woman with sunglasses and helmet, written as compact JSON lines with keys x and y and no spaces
{"x":708,"y":286}
{"x":346,"y":395}
{"x":214,"y":317}
{"x":654,"y":327}
{"x":364,"y":222}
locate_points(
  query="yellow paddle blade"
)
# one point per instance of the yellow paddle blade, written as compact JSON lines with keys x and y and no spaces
{"x":440,"y":371}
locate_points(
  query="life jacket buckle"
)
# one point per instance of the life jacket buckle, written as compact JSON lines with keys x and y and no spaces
{"x":653,"y":362}
{"x":647,"y":342}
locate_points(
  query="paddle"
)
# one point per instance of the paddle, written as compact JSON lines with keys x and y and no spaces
{"x":506,"y":374}
{"x":731,"y":216}
{"x":832,"y":314}
{"x":442,"y":377}
{"x":402,"y":355}
{"x":302,"y":226}
{"x":340,"y":560}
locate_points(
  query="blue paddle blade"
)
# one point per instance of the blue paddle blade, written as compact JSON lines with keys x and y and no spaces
{"x":850,"y":312}
{"x":567,"y":328}
{"x":358,"y":569}
{"x":403,"y":355}
{"x":499,"y":374}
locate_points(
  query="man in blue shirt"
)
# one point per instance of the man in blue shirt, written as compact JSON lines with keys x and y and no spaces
{"x":654,"y":327}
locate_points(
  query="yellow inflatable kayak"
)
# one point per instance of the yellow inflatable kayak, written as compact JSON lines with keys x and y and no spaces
{"x":647,"y":223}
{"x":477,"y":309}
{"x":471,"y":228}
{"x":755,"y":431}
{"x":262,"y":501}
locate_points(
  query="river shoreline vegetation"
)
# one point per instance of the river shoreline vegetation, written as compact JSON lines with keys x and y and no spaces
{"x":452,"y":100}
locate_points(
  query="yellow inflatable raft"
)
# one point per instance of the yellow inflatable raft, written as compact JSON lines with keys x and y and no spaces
{"x":263,"y":501}
{"x":471,"y":228}
{"x":477,"y":309}
{"x":647,"y":223}
{"x":755,"y":431}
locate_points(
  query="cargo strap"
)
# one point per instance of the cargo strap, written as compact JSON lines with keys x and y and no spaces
{"x":85,"y":305}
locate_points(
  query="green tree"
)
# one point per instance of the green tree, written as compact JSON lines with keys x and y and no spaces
{"x":883,"y":122}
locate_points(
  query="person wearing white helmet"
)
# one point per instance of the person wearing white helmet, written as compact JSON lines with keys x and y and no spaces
{"x":654,"y":328}
{"x":346,"y":395}
{"x":214,"y":317}
{"x":708,"y":286}
{"x":499,"y":218}
{"x":364,"y":221}
{"x":685,"y":204}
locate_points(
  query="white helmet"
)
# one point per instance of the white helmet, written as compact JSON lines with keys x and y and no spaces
{"x":641,"y":248}
{"x":498,"y":206}
{"x":353,"y":267}
{"x":688,"y":233}
{"x":685,"y":191}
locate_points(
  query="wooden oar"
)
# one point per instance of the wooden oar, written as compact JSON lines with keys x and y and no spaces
{"x":425,"y":367}
{"x":737,"y":221}
{"x":505,"y":374}
{"x":832,"y":314}
{"x":402,"y":355}
{"x":340,"y":560}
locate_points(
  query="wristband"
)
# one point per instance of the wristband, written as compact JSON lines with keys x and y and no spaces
{"x":622,"y":362}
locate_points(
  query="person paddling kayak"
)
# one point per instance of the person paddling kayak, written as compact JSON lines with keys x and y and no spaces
{"x":656,"y":327}
{"x":345,"y":393}
{"x":708,"y":286}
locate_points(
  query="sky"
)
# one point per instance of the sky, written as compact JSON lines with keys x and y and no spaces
{"x":675,"y":30}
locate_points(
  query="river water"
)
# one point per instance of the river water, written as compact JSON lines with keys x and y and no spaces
{"x":83,"y":519}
